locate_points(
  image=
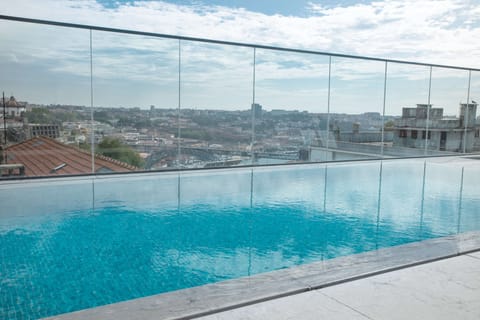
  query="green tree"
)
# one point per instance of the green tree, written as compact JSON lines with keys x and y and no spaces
{"x":39,"y":115}
{"x":389,"y":124}
{"x":102,"y":116}
{"x":115,"y":149}
{"x":85,"y":146}
{"x":44,"y":115}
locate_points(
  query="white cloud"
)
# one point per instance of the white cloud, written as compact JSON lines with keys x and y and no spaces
{"x":430,"y":31}
{"x":441,"y":32}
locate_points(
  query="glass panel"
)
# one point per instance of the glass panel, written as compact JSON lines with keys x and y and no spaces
{"x":472,"y":129}
{"x":352,"y":206}
{"x":214,"y":236}
{"x":135,"y":84}
{"x":290,"y":109}
{"x":55,"y":197}
{"x":356,"y":109}
{"x":288,"y":227}
{"x":400,"y":202}
{"x":470,"y":200}
{"x":216,"y":94}
{"x":406,"y":99}
{"x":149,"y":192}
{"x":449,"y":109}
{"x":441,"y":200}
{"x":46,"y":81}
{"x":40,"y":226}
{"x":119,"y":250}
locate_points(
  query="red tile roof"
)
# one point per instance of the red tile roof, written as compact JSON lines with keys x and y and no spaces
{"x":40,"y":155}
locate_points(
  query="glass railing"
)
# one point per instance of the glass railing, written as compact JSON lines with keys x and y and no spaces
{"x":81,"y":242}
{"x":83,"y":99}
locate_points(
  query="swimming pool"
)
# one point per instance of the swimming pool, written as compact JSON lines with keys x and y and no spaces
{"x":70,"y":244}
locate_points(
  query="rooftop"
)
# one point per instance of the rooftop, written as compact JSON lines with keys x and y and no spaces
{"x":43,"y":156}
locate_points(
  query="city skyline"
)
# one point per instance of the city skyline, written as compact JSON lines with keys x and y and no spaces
{"x":398,"y":112}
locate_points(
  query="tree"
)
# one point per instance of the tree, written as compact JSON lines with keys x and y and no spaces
{"x":389,"y":124}
{"x":44,"y":115}
{"x":39,"y":115}
{"x":102,"y":116}
{"x":85,"y":146}
{"x":115,"y":149}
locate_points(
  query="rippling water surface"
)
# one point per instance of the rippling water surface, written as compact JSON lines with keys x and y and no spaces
{"x":66,"y":261}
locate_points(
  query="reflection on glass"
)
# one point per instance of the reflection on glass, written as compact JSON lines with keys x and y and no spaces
{"x":474,"y":98}
{"x":135,"y":85}
{"x":401,"y":198}
{"x":441,"y":203}
{"x":356,"y":109}
{"x":164,"y":103}
{"x":153,"y":192}
{"x":214,"y":217}
{"x":405,"y":105}
{"x":449,"y":111}
{"x":469,"y":200}
{"x":288,"y":228}
{"x":45,"y":79}
{"x":290,"y":110}
{"x":215,"y":94}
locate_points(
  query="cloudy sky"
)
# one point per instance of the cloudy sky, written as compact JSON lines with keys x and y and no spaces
{"x":43,"y":64}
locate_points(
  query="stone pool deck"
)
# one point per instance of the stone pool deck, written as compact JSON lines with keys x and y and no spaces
{"x":432,"y":279}
{"x":444,"y":289}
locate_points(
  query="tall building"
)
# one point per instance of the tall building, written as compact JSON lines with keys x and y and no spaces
{"x":257,"y":110}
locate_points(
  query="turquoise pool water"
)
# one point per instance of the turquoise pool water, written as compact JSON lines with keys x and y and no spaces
{"x":220,"y":225}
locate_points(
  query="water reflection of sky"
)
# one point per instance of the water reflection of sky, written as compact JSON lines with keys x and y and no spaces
{"x":139,"y":235}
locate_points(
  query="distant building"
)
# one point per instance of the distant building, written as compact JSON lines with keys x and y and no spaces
{"x":279,"y":112}
{"x":257,"y":110}
{"x":45,"y":130}
{"x":42,"y":156}
{"x":443,"y":134}
{"x":14,"y":108}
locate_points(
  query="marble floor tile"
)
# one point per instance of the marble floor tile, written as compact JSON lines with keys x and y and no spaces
{"x":475,"y":254}
{"x":446,"y":289}
{"x":305,"y":306}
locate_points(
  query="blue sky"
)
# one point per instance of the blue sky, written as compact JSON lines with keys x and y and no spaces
{"x":51,"y":65}
{"x":299,"y":8}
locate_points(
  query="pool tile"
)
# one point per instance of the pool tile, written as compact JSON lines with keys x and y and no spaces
{"x":240,"y":292}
